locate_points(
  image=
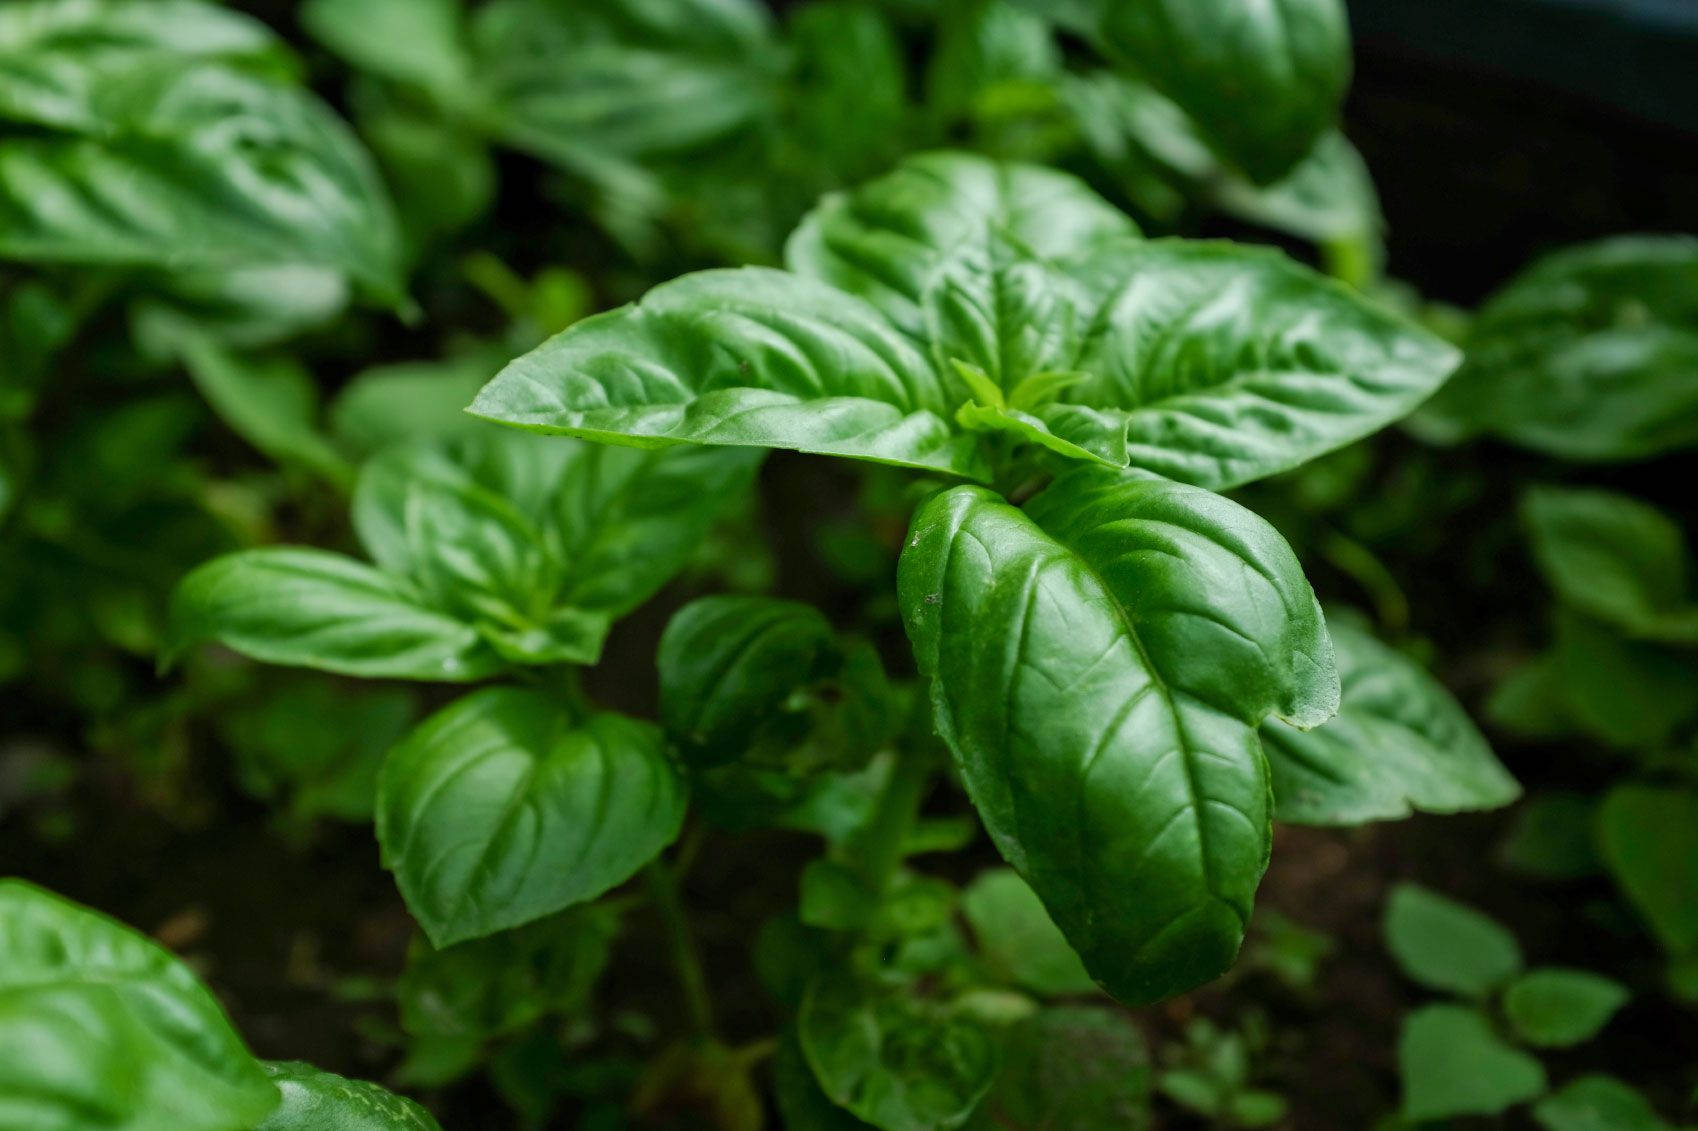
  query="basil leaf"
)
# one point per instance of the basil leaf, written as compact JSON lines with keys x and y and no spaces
{"x":412,"y":400}
{"x":541,"y":544}
{"x":1400,"y":743}
{"x":895,"y":1061}
{"x":1618,"y":560}
{"x":1453,"y":1063}
{"x":801,"y":1103}
{"x":1445,"y":945}
{"x":196,"y":165}
{"x":1554,"y":1008}
{"x":101,"y":1028}
{"x":420,"y":43}
{"x":1018,"y":938}
{"x":315,"y":1100}
{"x":1099,"y":666}
{"x":1074,"y":1067}
{"x":500,"y":809}
{"x":309,"y":608}
{"x":747,"y":357}
{"x":1597,"y":1103}
{"x":1627,"y":693}
{"x":1587,"y":355}
{"x":1648,"y":837}
{"x":1262,"y":82}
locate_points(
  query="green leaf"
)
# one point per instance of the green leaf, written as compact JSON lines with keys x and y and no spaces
{"x":896,"y":1061}
{"x":801,"y":1103}
{"x":1648,"y":837}
{"x":1262,"y":82}
{"x":501,"y":808}
{"x":415,"y":42}
{"x":271,"y":404}
{"x":763,"y":680}
{"x":502,"y":984}
{"x":413,"y":400}
{"x":309,"y":608}
{"x":1072,"y":1067}
{"x":1532,"y":701}
{"x":1453,"y":1064}
{"x":750,"y":357}
{"x":1587,"y":355}
{"x":1099,"y":666}
{"x":164,"y":160}
{"x":1616,"y":559}
{"x":541,"y":545}
{"x":1628,"y":693}
{"x":1553,"y":1008}
{"x":1597,"y":1103}
{"x":1551,"y":837}
{"x":1447,"y":946}
{"x":315,"y":1100}
{"x":1400,"y":743}
{"x":1018,"y":938}
{"x":101,"y":1028}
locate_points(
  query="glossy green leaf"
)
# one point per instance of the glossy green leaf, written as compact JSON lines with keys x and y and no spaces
{"x":101,"y":1028}
{"x":1597,"y":1103}
{"x":1453,"y":1064}
{"x":1099,"y":666}
{"x":1587,"y":355}
{"x":768,"y":681}
{"x":315,"y":1100}
{"x":1018,"y":938}
{"x":1208,"y":363}
{"x":1616,"y":559}
{"x":1648,"y":837}
{"x":172,"y":162}
{"x":502,"y":808}
{"x":310,"y":608}
{"x":1400,"y":743}
{"x":750,"y":357}
{"x":894,"y":1061}
{"x":541,"y":544}
{"x":1072,"y":1067}
{"x":1445,"y":945}
{"x":1263,"y":82}
{"x":501,"y":984}
{"x":1552,"y":1008}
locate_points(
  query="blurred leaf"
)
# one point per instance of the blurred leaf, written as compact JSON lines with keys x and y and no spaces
{"x":1072,"y":1067}
{"x":1447,"y":946}
{"x":1648,"y":837}
{"x":1018,"y":938}
{"x":1597,"y":1103}
{"x":1550,"y":836}
{"x":1553,"y":1008}
{"x":1453,"y":1064}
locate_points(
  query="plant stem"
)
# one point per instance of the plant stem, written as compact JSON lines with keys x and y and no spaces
{"x":897,"y":809}
{"x":663,"y":887}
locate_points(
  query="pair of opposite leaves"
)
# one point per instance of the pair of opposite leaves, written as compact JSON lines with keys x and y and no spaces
{"x":1101,"y":660}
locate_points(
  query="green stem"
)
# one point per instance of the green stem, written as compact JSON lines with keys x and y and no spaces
{"x":663,"y":888}
{"x":898,"y":808}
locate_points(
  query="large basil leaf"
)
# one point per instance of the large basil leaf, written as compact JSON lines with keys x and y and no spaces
{"x":502,"y":808}
{"x":315,"y":1100}
{"x":1587,"y":355}
{"x":1209,"y":363}
{"x":1616,"y":559}
{"x":310,"y":608}
{"x":1099,"y":667}
{"x":541,"y":544}
{"x":749,"y":357}
{"x":1400,"y":743}
{"x":101,"y":1028}
{"x":1648,"y":837}
{"x":151,"y":157}
{"x":894,"y":1060}
{"x":1263,"y":82}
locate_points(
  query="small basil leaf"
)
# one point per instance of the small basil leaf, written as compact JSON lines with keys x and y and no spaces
{"x":500,"y":809}
{"x":149,"y":182}
{"x":1262,"y":82}
{"x":1553,"y":1008}
{"x":309,"y":608}
{"x":101,"y":1028}
{"x":895,"y":1061}
{"x":1447,"y":946}
{"x":1648,"y":837}
{"x":541,"y":544}
{"x":1587,"y":355}
{"x":1616,"y":559}
{"x":1400,"y":743}
{"x":1597,"y":1103}
{"x":414,"y":400}
{"x":1453,"y":1064}
{"x":801,"y":1103}
{"x":315,"y":1100}
{"x":1099,"y":667}
{"x":1627,"y":693}
{"x":1018,"y":938}
{"x":749,"y":357}
{"x":415,"y":42}
{"x":1074,"y":1067}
